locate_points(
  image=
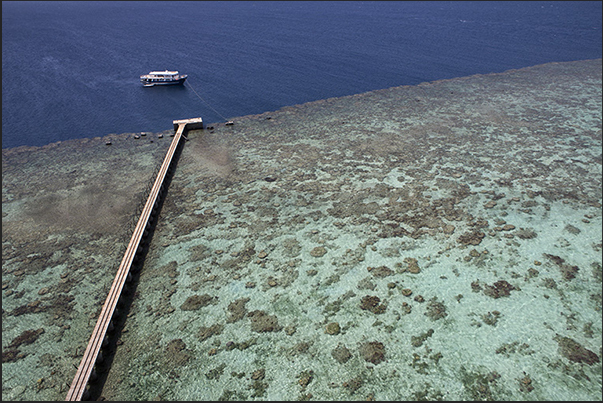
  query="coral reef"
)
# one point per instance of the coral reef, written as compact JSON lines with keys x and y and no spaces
{"x":299,"y":257}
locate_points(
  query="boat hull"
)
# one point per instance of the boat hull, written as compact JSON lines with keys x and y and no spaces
{"x":149,"y":83}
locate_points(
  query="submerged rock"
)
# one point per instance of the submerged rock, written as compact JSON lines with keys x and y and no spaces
{"x":333,"y":328}
{"x":413,"y":265}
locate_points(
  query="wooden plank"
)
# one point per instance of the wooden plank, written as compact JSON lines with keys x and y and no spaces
{"x":82,"y":376}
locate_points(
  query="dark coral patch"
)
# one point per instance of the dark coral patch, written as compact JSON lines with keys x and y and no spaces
{"x":207,"y":332}
{"x":341,"y":354}
{"x":177,"y":353}
{"x":197,"y":301}
{"x":574,"y":351}
{"x":371,"y":303}
{"x":262,"y":322}
{"x":471,"y":238}
{"x":435,"y":309}
{"x":499,"y":289}
{"x":381,"y":271}
{"x":568,"y":272}
{"x":237,"y":310}
{"x":373,"y":352}
{"x":27,"y":337}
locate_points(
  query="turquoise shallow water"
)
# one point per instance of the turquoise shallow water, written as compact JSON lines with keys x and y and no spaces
{"x":439,"y":241}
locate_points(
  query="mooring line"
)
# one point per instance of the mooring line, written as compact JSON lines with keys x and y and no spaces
{"x":205,"y":102}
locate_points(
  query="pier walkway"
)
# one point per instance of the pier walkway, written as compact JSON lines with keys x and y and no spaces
{"x":93,"y":352}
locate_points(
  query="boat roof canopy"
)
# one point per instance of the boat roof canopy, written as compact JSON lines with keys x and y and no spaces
{"x":164,"y":73}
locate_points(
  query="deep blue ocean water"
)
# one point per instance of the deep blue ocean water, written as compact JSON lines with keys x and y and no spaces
{"x":71,"y":69}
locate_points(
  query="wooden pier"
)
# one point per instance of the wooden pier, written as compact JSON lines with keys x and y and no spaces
{"x":93,"y":352}
{"x":190,"y":124}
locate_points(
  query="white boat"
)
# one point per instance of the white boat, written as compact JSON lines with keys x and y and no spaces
{"x":163,"y":78}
